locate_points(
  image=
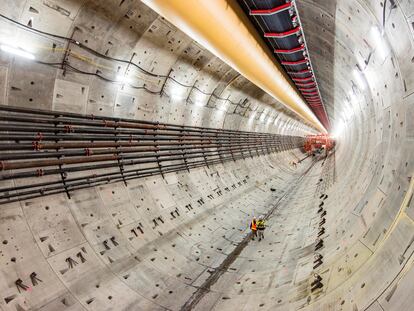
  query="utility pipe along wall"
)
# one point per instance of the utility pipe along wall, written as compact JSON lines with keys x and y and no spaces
{"x":42,"y":144}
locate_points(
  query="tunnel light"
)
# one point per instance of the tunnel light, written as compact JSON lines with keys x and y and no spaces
{"x":380,"y":44}
{"x":122,"y":78}
{"x":178,"y":93}
{"x":359,"y":79}
{"x":269,"y":120}
{"x":263,"y":116}
{"x":252,"y":117}
{"x":198,"y":98}
{"x":16,"y":51}
{"x":224,"y":106}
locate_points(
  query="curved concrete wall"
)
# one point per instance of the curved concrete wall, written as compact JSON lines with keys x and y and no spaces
{"x":151,"y":245}
{"x":368,"y":249}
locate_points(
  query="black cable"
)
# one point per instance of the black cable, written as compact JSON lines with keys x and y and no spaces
{"x":47,"y":63}
{"x":109,"y":80}
{"x":96,"y":53}
{"x":33,"y":29}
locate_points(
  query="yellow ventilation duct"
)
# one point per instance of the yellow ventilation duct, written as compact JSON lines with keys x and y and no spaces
{"x":223,"y":28}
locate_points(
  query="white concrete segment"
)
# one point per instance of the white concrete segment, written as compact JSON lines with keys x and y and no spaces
{"x":152,"y":244}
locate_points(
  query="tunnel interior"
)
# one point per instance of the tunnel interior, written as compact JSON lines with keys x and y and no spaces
{"x":169,"y":230}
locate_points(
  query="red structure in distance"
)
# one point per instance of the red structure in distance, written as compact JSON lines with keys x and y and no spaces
{"x":318,"y":142}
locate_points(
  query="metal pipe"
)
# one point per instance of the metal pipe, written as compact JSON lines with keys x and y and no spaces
{"x":302,"y":79}
{"x":290,"y":51}
{"x":57,"y":190}
{"x":294,"y":63}
{"x":40,"y":145}
{"x":300,"y":72}
{"x":29,"y":153}
{"x":90,"y":151}
{"x":306,"y":84}
{"x":16,"y":128}
{"x":111,"y":177}
{"x":52,"y":126}
{"x":109,"y":165}
{"x":73,"y":137}
{"x":66,"y":145}
{"x":283,"y":34}
{"x":7,"y":165}
{"x":278,"y":9}
{"x":57,"y":115}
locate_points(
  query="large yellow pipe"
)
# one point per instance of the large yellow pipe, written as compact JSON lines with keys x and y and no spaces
{"x":223,"y":28}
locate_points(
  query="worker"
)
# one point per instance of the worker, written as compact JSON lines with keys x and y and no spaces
{"x":261,"y":227}
{"x":253,"y":227}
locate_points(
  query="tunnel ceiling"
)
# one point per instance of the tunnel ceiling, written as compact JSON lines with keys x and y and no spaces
{"x":340,"y":228}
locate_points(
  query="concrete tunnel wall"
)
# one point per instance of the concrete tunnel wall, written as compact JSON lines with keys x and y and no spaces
{"x":367,"y":253}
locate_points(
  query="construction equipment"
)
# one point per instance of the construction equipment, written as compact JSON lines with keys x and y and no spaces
{"x":318,"y":143}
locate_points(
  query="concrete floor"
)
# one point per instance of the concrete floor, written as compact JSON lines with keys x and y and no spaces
{"x":362,"y":52}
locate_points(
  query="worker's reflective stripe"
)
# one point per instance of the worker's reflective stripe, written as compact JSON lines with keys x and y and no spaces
{"x":254,"y":226}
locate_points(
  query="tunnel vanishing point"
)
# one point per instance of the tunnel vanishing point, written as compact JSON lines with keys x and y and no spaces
{"x":139,"y":139}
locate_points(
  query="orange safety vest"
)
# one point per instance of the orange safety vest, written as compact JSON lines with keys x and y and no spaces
{"x":253,"y":226}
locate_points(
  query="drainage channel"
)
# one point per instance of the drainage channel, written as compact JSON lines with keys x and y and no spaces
{"x":215,"y":276}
